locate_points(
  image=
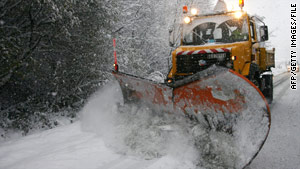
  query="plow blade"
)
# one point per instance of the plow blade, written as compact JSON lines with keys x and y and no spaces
{"x":233,"y":118}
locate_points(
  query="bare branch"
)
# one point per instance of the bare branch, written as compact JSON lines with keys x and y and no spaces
{"x":9,"y":8}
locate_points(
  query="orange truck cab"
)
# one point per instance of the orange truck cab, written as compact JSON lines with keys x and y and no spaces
{"x":231,"y":39}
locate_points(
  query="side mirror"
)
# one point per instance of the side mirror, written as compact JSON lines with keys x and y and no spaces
{"x":264,"y":34}
{"x":171,"y":37}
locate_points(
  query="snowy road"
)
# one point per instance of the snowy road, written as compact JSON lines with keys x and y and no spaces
{"x":282,"y":148}
{"x":69,"y":147}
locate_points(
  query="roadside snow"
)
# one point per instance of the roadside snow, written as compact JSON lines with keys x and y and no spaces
{"x":62,"y":147}
{"x":69,"y":148}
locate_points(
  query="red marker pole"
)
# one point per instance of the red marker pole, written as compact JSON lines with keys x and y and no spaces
{"x":115,"y":55}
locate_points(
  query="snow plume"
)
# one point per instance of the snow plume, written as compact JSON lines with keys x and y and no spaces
{"x":136,"y":130}
{"x":101,"y":110}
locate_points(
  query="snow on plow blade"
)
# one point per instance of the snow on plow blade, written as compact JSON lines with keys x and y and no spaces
{"x":233,"y":118}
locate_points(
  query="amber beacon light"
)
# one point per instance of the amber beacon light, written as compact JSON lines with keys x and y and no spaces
{"x":241,"y":3}
{"x":185,"y":9}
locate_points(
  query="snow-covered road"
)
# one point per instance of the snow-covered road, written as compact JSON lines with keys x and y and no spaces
{"x":282,"y":148}
{"x":70,"y":147}
{"x":65,"y":148}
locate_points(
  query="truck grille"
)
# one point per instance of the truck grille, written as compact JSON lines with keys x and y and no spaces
{"x":198,"y":62}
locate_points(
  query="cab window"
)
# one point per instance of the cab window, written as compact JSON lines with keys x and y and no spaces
{"x":252,"y":31}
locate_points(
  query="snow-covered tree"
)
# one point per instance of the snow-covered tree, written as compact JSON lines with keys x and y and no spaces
{"x":142,"y":31}
{"x":50,"y":54}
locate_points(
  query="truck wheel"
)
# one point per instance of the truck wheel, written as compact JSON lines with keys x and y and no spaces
{"x":268,"y":88}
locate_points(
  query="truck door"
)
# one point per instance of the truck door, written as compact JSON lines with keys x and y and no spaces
{"x":255,"y":44}
{"x":259,"y":46}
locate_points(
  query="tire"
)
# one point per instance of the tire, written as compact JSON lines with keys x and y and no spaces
{"x":268,"y":87}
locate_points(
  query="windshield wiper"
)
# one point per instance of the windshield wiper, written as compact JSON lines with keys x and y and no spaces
{"x":200,"y":38}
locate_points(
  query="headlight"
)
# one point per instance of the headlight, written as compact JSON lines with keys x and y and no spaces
{"x":233,"y":58}
{"x":187,"y":20}
{"x":238,"y":14}
{"x":194,"y":11}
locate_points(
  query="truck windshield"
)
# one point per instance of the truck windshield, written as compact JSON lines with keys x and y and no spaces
{"x":215,"y":29}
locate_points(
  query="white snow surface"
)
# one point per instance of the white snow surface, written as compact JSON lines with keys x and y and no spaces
{"x":99,"y":141}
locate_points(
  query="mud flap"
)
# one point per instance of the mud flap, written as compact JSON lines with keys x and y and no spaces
{"x":225,"y":104}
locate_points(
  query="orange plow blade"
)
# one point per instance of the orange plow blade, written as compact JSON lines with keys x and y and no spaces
{"x":231,"y":113}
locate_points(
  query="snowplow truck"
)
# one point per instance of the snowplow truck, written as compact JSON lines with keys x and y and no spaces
{"x":233,"y":39}
{"x":221,"y":79}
